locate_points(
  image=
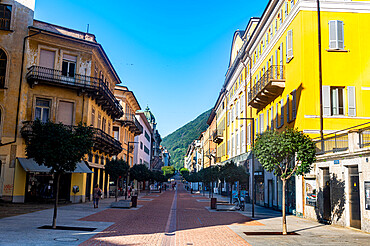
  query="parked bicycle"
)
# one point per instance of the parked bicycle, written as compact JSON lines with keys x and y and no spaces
{"x":239,"y":203}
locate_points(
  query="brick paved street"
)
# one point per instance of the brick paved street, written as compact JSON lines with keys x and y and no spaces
{"x":195,"y":225}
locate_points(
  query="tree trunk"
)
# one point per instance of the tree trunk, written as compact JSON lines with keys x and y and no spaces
{"x":283,"y":207}
{"x":231,"y":192}
{"x":54,"y":225}
{"x":117,"y":189}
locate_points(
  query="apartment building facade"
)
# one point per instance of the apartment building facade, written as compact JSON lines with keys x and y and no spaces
{"x":64,"y":76}
{"x":273,"y":83}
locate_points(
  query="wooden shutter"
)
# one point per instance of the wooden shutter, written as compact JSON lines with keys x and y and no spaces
{"x":277,"y":115}
{"x":294,"y":104}
{"x":289,"y":45}
{"x":282,"y":112}
{"x":333,"y":44}
{"x":47,"y":59}
{"x":249,"y":134}
{"x":326,"y":100}
{"x":272,"y":117}
{"x":287,"y":108}
{"x":65,"y":113}
{"x":351,"y":91}
{"x":340,"y":35}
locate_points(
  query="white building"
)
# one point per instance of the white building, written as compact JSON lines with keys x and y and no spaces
{"x":142,"y":154}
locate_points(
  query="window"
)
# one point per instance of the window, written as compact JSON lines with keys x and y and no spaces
{"x":42,"y":110}
{"x":97,"y":159}
{"x":286,"y":9}
{"x":261,"y":123}
{"x":242,"y":140}
{"x":69,"y":65}
{"x":3,"y":61}
{"x":287,"y":111}
{"x":90,"y":157}
{"x":109,"y":128}
{"x":336,"y":99}
{"x":237,"y":144}
{"x":47,"y":59}
{"x":104,"y":124}
{"x":116,"y":132}
{"x":141,"y":145}
{"x":99,"y":121}
{"x":282,"y":112}
{"x":5,"y":16}
{"x":65,"y":112}
{"x":336,"y":35}
{"x":277,"y":115}
{"x":93,"y":116}
{"x":351,"y":90}
{"x":267,"y":120}
{"x":291,"y":4}
{"x":289,"y":45}
{"x":249,"y":133}
{"x":147,"y":136}
{"x":272,"y":117}
{"x":146,"y":150}
{"x":294,"y":104}
{"x":281,"y":16}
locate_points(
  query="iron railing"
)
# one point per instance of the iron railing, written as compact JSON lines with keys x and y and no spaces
{"x":335,"y":143}
{"x":95,"y":86}
{"x":217,"y":135}
{"x":275,"y":72}
{"x":364,"y":135}
{"x":5,"y":23}
{"x":131,"y":121}
{"x":102,"y":140}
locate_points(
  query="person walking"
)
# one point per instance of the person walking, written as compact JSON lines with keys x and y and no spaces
{"x":96,"y":195}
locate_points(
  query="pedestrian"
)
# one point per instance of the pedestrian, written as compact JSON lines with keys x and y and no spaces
{"x":96,"y":196}
{"x":129,"y":191}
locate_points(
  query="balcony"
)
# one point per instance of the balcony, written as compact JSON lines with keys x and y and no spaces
{"x":131,"y":122}
{"x":218,"y":136}
{"x":270,"y":86}
{"x":94,"y":87}
{"x":102,"y":141}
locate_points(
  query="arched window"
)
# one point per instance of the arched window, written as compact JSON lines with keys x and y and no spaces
{"x":3,"y":60}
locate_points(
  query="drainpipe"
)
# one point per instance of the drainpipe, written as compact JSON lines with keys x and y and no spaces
{"x":320,"y":74}
{"x":19,"y":91}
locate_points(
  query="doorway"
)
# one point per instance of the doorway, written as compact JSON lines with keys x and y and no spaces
{"x":270,"y":192}
{"x":354,"y":198}
{"x":326,"y":194}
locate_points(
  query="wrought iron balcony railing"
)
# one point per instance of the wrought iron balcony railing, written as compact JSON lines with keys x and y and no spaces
{"x":218,"y":136}
{"x":364,"y":135}
{"x":102,"y":141}
{"x":335,"y":143}
{"x":268,"y":87}
{"x":95,"y":87}
{"x":133,"y":124}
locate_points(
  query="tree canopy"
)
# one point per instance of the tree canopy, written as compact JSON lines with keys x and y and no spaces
{"x":116,"y":168}
{"x":140,"y":172}
{"x":288,"y":153}
{"x":58,"y":146}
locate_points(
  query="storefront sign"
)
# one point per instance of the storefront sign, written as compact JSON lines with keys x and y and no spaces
{"x":367,"y":195}
{"x":311,"y":193}
{"x":336,"y":161}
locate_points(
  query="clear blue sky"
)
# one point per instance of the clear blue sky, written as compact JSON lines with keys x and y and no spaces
{"x":172,"y":53}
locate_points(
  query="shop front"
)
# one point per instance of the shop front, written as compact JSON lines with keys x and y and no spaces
{"x":35,"y":183}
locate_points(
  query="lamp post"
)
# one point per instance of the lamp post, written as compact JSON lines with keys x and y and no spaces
{"x":252,"y":171}
{"x":128,"y":171}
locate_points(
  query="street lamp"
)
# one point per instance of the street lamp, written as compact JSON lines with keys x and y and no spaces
{"x":253,"y":183}
{"x":128,"y":171}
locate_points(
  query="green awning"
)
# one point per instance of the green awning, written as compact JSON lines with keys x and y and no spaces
{"x":30,"y":165}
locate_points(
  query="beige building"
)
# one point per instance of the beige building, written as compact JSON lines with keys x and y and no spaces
{"x":61,"y":75}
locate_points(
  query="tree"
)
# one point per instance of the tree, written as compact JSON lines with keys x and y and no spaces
{"x":168,"y":171}
{"x":231,"y":173}
{"x":286,"y":153}
{"x":60,"y":148}
{"x":116,"y":168}
{"x":139,"y":172}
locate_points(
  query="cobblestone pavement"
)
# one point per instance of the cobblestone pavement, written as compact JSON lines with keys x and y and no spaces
{"x":187,"y":223}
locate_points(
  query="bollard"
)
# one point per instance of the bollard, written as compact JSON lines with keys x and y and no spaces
{"x":134,"y":201}
{"x":213,"y":203}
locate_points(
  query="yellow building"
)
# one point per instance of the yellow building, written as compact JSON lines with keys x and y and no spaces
{"x":275,"y":62}
{"x":65,"y":76}
{"x":127,"y":127}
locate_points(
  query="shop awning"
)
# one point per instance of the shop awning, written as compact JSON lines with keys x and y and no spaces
{"x":30,"y":165}
{"x":239,"y":158}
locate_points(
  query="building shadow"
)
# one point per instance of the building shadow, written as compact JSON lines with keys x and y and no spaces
{"x":331,"y":200}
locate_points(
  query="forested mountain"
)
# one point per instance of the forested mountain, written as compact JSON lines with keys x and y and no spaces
{"x":178,"y":141}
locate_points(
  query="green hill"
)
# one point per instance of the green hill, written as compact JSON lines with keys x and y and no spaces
{"x":178,"y":141}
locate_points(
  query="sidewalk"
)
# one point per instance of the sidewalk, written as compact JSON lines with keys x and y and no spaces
{"x":22,"y":229}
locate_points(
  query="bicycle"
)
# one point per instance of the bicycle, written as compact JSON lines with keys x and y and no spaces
{"x":239,"y":203}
